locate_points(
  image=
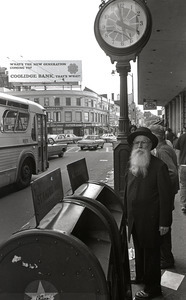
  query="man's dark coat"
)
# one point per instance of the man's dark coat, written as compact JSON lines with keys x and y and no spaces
{"x":147,"y":202}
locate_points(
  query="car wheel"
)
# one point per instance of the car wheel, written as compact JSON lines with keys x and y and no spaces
{"x":102,"y":146}
{"x":61,"y":154}
{"x":82,"y":148}
{"x":96,"y":147}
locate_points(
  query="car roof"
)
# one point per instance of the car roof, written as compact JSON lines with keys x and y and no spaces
{"x":52,"y":135}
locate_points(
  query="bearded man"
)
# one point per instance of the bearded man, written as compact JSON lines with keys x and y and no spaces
{"x":147,"y":208}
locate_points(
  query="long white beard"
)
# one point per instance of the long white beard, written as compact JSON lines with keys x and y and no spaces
{"x":139,"y":162}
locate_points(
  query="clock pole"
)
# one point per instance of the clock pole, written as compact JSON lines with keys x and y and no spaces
{"x":122,"y":150}
{"x":123,"y":68}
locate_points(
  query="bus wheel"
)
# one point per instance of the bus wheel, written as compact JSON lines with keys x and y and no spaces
{"x":25,"y":175}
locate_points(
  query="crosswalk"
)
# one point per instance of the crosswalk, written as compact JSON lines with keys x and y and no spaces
{"x":77,"y":149}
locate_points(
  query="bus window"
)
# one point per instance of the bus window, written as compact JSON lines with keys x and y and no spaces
{"x":9,"y":120}
{"x":15,"y":121}
{"x":22,"y":121}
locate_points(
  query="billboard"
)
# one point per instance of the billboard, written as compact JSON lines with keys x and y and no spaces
{"x":42,"y":71}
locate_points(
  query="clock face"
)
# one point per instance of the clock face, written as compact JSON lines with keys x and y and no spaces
{"x":122,"y":23}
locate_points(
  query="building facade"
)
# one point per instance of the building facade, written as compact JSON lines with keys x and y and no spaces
{"x":74,"y":111}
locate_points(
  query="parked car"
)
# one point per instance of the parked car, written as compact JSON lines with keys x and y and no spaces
{"x":109,"y":137}
{"x":68,"y":138}
{"x":72,"y":138}
{"x":57,"y":138}
{"x":56,"y":149}
{"x":91,"y":142}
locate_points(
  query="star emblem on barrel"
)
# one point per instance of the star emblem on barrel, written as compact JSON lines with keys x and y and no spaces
{"x":44,"y":291}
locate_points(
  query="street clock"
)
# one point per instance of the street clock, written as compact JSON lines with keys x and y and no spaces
{"x":123,"y":27}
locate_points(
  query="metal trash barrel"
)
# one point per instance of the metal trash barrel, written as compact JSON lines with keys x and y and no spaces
{"x":47,"y":264}
{"x":73,"y":249}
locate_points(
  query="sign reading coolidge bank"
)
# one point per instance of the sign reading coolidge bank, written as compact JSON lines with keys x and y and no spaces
{"x":42,"y":71}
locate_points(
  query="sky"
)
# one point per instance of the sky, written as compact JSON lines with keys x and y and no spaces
{"x":58,"y":30}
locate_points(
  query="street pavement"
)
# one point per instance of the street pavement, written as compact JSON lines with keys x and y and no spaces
{"x":173,"y":280}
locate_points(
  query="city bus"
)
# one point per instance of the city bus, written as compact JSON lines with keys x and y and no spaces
{"x":23,"y":140}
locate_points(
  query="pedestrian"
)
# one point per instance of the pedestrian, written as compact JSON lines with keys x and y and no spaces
{"x":169,"y":135}
{"x":168,"y":155}
{"x":132,"y":128}
{"x":147,"y":208}
{"x":180,"y":147}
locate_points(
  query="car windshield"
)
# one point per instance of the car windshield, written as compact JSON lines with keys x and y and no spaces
{"x":91,"y":137}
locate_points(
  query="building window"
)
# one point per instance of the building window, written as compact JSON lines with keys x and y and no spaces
{"x":48,"y":114}
{"x":46,"y":101}
{"x":36,"y":100}
{"x":78,"y":116}
{"x":86,"y":117}
{"x":78,"y":101}
{"x":92,"y":103}
{"x":57,"y":101}
{"x":57,"y":116}
{"x":68,"y":101}
{"x":68,"y":116}
{"x":86,"y":102}
{"x":96,"y":117}
{"x":91,"y":117}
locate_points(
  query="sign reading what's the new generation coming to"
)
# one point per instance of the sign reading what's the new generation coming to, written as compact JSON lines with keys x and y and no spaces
{"x":39,"y":71}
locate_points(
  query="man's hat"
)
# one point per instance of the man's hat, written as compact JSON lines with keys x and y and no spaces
{"x":157,"y":130}
{"x":146,"y":132}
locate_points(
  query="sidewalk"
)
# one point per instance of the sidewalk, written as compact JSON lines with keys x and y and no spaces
{"x":173,"y":280}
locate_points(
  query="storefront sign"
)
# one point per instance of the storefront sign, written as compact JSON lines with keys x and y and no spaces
{"x":149,"y":105}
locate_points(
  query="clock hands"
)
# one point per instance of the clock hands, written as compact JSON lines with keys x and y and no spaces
{"x":114,"y":29}
{"x":122,"y":24}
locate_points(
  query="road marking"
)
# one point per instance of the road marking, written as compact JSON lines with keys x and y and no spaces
{"x":71,"y":149}
{"x":103,"y":160}
{"x":171,"y":280}
{"x":77,"y":149}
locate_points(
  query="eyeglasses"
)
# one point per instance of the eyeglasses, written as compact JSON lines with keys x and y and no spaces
{"x":141,"y":143}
